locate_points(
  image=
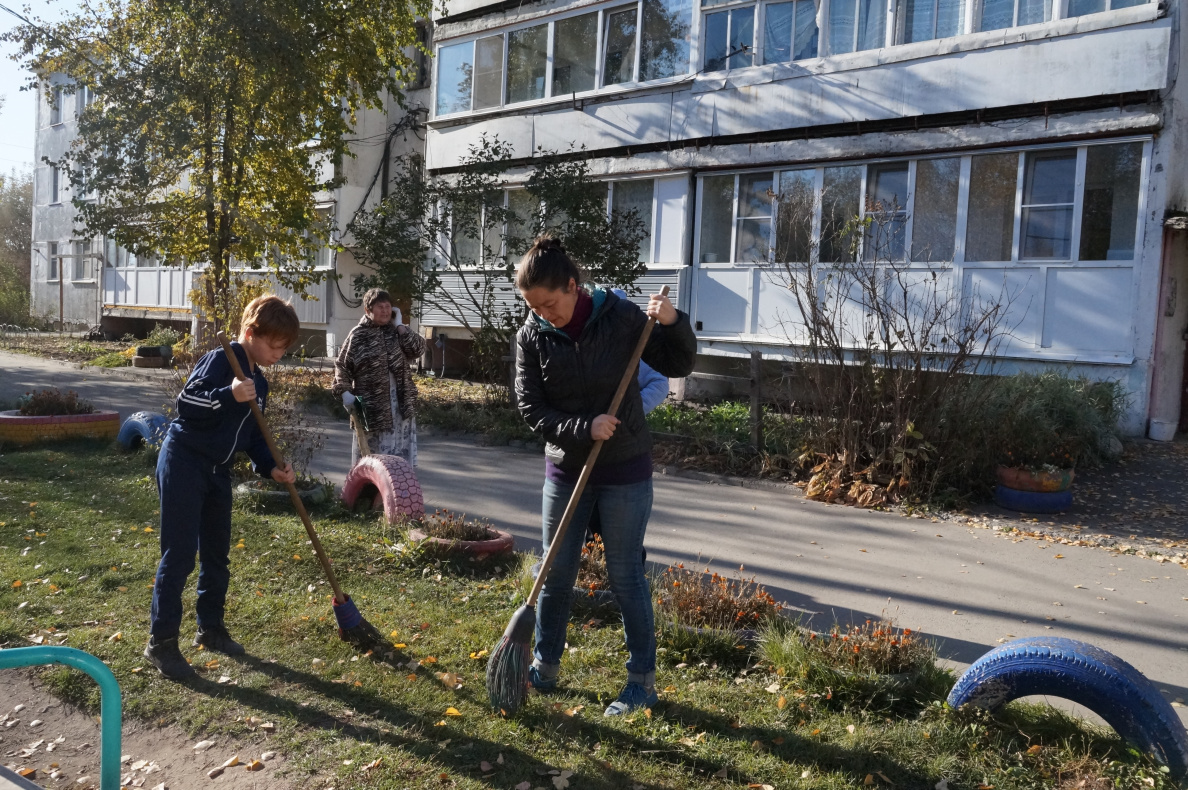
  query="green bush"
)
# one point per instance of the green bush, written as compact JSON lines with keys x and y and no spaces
{"x":1054,"y":420}
{"x":163,"y":336}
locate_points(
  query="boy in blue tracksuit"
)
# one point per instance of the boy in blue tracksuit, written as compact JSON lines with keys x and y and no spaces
{"x":214,"y":420}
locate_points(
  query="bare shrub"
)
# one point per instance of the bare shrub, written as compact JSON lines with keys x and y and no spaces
{"x":886,"y":350}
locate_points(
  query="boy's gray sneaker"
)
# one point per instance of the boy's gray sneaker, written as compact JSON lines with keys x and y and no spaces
{"x":216,"y":638}
{"x":633,"y":697}
{"x":166,"y":656}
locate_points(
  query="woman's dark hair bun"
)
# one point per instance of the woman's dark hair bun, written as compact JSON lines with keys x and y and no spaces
{"x":547,"y":264}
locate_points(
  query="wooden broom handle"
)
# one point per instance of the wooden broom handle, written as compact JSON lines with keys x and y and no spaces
{"x":279,"y":461}
{"x":558,"y":536}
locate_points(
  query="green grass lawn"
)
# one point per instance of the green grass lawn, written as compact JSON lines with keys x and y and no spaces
{"x":78,"y":550}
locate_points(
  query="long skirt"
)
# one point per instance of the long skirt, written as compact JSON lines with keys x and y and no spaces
{"x":401,"y":440}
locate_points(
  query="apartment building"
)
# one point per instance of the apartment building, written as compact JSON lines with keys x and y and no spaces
{"x":1030,"y":147}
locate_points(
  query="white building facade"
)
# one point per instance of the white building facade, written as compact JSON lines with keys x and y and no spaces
{"x":1034,"y":146}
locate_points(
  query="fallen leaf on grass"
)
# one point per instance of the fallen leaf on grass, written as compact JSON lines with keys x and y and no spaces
{"x":757,"y":786}
{"x":486,"y":767}
{"x":942,"y":785}
{"x":452,"y":711}
{"x":720,"y":773}
{"x":478,"y":654}
{"x":774,"y":688}
{"x":411,"y":676}
{"x":428,"y":660}
{"x":1035,"y":749}
{"x":371,"y":766}
{"x":868,"y":781}
{"x":212,"y":664}
{"x":782,"y":702}
{"x":883,"y":776}
{"x":850,"y":728}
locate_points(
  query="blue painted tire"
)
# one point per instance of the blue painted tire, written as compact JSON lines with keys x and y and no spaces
{"x":143,"y":427}
{"x":1033,"y":501}
{"x":1086,"y":675}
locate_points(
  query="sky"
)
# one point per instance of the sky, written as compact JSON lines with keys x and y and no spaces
{"x":17,"y":116}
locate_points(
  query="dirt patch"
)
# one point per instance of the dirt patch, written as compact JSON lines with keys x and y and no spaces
{"x":64,"y":748}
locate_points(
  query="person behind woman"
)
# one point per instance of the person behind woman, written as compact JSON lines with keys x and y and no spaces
{"x":573,"y":349}
{"x":374,"y":364}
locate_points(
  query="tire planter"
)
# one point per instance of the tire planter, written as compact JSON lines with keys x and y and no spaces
{"x":1021,"y":479}
{"x":16,"y":429}
{"x":389,"y":480}
{"x":477,"y":549}
{"x":280,"y":497}
{"x":1032,"y":501}
{"x":1087,"y":675}
{"x":143,"y":428}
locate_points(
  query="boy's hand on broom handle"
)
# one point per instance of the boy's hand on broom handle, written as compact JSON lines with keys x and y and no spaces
{"x":284,"y":474}
{"x":243,"y":390}
{"x":603,"y":427}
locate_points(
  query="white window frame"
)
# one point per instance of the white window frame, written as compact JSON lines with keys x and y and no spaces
{"x":610,"y":199}
{"x":55,"y":106}
{"x":55,"y":185}
{"x":599,"y":56}
{"x":53,"y":259}
{"x":761,"y":34}
{"x":756,"y":33}
{"x":82,"y":253}
{"x":958,"y":258}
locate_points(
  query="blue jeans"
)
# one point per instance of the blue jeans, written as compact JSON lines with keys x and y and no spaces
{"x":195,"y":519}
{"x":624,"y":510}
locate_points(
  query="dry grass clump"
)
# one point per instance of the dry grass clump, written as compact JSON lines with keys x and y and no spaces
{"x":727,"y":604}
{"x":874,"y":646}
{"x":592,"y":570}
{"x":452,"y":526}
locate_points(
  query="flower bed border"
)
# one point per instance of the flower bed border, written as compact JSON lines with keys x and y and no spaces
{"x":23,"y":430}
{"x":502,"y":542}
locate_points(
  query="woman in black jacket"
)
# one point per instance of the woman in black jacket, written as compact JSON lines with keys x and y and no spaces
{"x":573,"y":349}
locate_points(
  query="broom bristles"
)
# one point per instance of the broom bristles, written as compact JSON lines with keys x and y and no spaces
{"x":507,"y":675}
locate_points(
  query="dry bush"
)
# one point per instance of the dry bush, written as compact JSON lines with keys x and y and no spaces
{"x":451,"y":526}
{"x":875,"y":646}
{"x":719,"y":603}
{"x":53,"y":403}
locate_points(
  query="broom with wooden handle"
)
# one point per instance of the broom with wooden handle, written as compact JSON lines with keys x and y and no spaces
{"x":507,"y":669}
{"x":352,"y":627}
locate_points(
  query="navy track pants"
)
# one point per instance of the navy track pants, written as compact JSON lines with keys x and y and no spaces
{"x":195,"y":520}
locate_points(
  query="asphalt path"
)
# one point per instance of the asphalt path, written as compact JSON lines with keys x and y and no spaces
{"x":969,"y":588}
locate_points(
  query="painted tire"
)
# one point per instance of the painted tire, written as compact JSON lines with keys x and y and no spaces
{"x":1025,"y":480}
{"x":1087,"y":675}
{"x":1032,"y":501}
{"x":388,"y":479}
{"x":500,"y":544}
{"x":143,"y":427}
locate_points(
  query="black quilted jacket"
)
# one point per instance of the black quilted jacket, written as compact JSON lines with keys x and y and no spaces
{"x":562,"y":385}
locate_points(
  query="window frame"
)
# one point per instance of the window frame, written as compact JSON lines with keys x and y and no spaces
{"x":962,"y":209}
{"x":761,"y":32}
{"x":53,"y":262}
{"x":55,"y":185}
{"x":82,"y":251}
{"x":610,"y":200}
{"x":729,"y":8}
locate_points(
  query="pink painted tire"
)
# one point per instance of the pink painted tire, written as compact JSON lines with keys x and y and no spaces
{"x":500,"y":544}
{"x":388,"y":479}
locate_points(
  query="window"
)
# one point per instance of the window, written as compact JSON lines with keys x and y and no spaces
{"x":840,"y":204}
{"x":886,"y":212}
{"x":84,"y":98}
{"x":82,"y":261}
{"x":922,"y":20}
{"x":54,"y":261}
{"x":789,"y":31}
{"x":1046,"y":205}
{"x":1082,"y":7}
{"x":55,"y":106}
{"x":626,"y":196}
{"x":1109,"y":215}
{"x":730,"y":39}
{"x":1049,"y":181}
{"x":524,"y":211}
{"x":618,"y":47}
{"x":717,"y":218}
{"x":575,"y":51}
{"x":455,"y":70}
{"x":122,"y":258}
{"x":468,"y":248}
{"x":55,"y":194}
{"x":666,"y":39}
{"x":857,"y":24}
{"x":753,"y":237}
{"x":527,"y":62}
{"x":488,"y":72}
{"x":999,"y":14}
{"x":934,"y":213}
{"x":796,"y":203}
{"x":990,"y":229}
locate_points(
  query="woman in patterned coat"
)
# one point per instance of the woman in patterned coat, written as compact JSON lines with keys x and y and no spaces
{"x":375,"y":364}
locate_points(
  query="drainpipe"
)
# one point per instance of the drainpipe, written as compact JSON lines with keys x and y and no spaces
{"x":1167,"y":374}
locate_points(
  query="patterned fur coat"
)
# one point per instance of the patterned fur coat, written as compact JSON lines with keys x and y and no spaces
{"x":363,"y":364}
